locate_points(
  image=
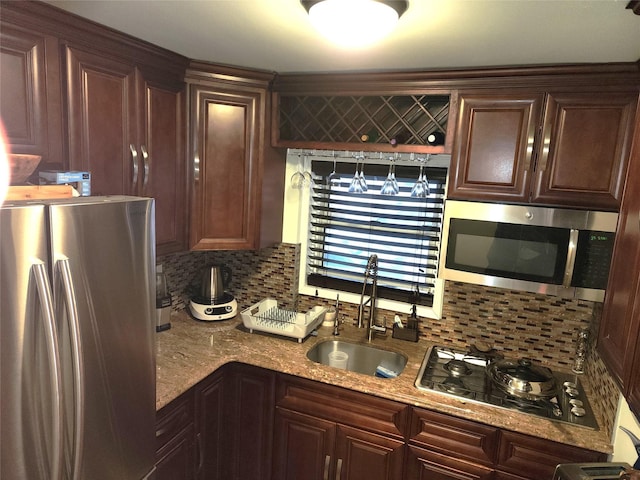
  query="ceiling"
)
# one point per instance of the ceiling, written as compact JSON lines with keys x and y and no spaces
{"x":276,"y":35}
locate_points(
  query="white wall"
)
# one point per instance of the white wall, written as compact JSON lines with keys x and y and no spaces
{"x":623,"y":449}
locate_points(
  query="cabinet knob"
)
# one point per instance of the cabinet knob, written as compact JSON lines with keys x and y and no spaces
{"x":528,"y":215}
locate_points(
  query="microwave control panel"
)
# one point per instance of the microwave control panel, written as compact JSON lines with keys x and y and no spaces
{"x":593,"y":259}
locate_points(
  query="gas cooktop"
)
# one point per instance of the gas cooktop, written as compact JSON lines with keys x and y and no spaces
{"x":464,"y":375}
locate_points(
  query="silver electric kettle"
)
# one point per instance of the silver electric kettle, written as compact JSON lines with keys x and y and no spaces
{"x":214,"y":280}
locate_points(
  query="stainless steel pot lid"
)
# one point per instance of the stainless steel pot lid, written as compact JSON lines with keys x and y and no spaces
{"x":523,"y":379}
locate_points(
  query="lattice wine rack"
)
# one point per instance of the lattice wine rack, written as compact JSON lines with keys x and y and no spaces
{"x":389,"y":119}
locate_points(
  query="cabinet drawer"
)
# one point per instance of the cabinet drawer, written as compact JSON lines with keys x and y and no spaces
{"x":474,"y":441}
{"x":538,"y":457}
{"x":424,"y":464}
{"x":173,"y":418}
{"x":342,"y":405}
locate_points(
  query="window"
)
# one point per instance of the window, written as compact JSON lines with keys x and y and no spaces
{"x":345,"y":228}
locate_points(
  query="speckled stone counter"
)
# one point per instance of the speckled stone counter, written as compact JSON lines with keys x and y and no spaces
{"x":191,"y":350}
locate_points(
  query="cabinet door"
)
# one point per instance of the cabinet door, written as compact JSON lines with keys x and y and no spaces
{"x":175,"y":446}
{"x":253,"y":399}
{"x":424,"y":464}
{"x":102,"y":121}
{"x":162,"y":165}
{"x":175,"y":461}
{"x":212,"y":434}
{"x":618,"y":335}
{"x":585,"y":148}
{"x":360,"y":454}
{"x":494,"y":146}
{"x":227,"y":171}
{"x":30,"y":106}
{"x":303,"y":447}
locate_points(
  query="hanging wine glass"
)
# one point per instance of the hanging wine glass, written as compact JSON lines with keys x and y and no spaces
{"x":363,"y":181}
{"x":301,"y":178}
{"x":390,"y":185}
{"x":418,"y":189}
{"x":355,"y":186}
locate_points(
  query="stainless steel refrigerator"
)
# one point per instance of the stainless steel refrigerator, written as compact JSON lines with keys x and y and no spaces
{"x":77,"y":351}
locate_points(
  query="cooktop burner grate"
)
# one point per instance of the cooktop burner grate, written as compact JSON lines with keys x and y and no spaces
{"x":464,"y":375}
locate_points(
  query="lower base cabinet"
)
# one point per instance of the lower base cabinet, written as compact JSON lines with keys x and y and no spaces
{"x":324,"y":432}
{"x":311,"y":448}
{"x":175,"y":439}
{"x":248,"y":423}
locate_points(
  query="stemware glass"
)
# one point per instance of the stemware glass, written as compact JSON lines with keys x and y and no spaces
{"x":421,"y":187}
{"x":301,"y":178}
{"x":363,"y":181}
{"x":390,"y":185}
{"x":355,"y":186}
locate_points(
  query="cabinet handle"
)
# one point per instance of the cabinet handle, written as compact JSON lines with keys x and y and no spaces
{"x":196,"y":168}
{"x":327,"y":462}
{"x":134,"y":161}
{"x":146,"y":166}
{"x":339,"y":469}
{"x":200,"y":452}
{"x":571,"y":258}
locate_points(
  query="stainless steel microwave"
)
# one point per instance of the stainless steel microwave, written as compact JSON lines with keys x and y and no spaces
{"x":554,"y":251}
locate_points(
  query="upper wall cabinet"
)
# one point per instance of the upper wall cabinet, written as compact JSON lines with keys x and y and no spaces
{"x":30,"y":92}
{"x":403,"y":122}
{"x":567,"y":149}
{"x":619,"y":334}
{"x":129,"y":132}
{"x":124,"y":105}
{"x":237,"y":180}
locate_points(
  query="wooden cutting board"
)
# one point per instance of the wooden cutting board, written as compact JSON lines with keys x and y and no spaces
{"x":38,"y":192}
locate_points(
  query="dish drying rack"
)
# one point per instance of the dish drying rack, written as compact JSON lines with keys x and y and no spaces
{"x":266,"y":316}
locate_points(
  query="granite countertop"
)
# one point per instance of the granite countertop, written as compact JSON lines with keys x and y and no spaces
{"x":191,"y":350}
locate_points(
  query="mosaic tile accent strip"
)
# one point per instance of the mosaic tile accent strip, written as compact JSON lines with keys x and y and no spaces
{"x":270,"y":272}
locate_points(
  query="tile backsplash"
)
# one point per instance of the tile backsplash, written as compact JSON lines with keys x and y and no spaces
{"x":519,"y":324}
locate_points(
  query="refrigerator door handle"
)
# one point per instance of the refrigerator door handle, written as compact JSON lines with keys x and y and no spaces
{"x":64,"y":270}
{"x":43,"y":289}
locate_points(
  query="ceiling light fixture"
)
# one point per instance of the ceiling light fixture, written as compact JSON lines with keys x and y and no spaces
{"x":354,"y":23}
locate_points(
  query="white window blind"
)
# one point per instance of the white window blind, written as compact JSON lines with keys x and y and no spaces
{"x":346,"y":228}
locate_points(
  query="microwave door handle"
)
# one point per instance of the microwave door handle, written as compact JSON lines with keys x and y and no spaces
{"x":43,"y":289}
{"x":571,"y":258}
{"x":69,"y":295}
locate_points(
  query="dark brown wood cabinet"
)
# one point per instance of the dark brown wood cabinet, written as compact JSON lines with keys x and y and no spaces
{"x":222,"y":428}
{"x":246,"y":422}
{"x":252,"y":397}
{"x":535,"y":458}
{"x":212,"y":423}
{"x":30,"y":94}
{"x":446,"y":448}
{"x":619,"y":337}
{"x":493,"y":151}
{"x":128,"y":131}
{"x":423,"y":464}
{"x":568,"y":149}
{"x":329,"y":432}
{"x":88,"y":98}
{"x":175,"y":440}
{"x":236,"y":179}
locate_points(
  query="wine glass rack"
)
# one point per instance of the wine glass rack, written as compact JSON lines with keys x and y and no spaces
{"x":380,"y":119}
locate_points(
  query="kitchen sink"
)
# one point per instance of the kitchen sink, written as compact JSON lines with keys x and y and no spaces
{"x":362,"y":358}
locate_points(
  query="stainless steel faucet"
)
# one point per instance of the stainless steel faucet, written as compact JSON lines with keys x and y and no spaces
{"x":370,"y":275}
